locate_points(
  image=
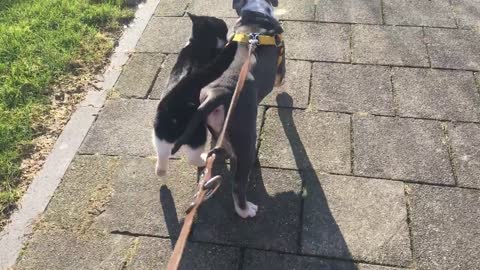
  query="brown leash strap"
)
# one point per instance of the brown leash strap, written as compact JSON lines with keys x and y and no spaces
{"x":206,"y":186}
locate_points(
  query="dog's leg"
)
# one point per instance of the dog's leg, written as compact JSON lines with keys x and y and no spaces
{"x":241,"y":170}
{"x":163,"y":153}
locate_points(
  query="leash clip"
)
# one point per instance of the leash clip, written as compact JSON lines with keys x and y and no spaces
{"x":253,"y":39}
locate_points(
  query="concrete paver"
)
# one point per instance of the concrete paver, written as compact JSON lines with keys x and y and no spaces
{"x":123,"y":128}
{"x":438,"y":94}
{"x":317,"y":41}
{"x":349,"y":11}
{"x":172,"y":7}
{"x":352,"y":88}
{"x":276,"y":192}
{"x":347,"y":217}
{"x":153,"y":253}
{"x":388,"y":45}
{"x":296,"y":10}
{"x":216,"y":8}
{"x":437,"y":13}
{"x":58,"y":249}
{"x":368,"y":108}
{"x":467,"y":13}
{"x":444,"y":224}
{"x":142,"y":203}
{"x":165,"y":34}
{"x":300,"y":139}
{"x":159,"y":87}
{"x":465,"y":140}
{"x":138,"y":74}
{"x":407,"y":149}
{"x":296,"y":84}
{"x":456,"y":49}
{"x":255,"y":259}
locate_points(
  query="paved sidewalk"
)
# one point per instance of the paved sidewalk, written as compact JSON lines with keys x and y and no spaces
{"x":369,"y":155}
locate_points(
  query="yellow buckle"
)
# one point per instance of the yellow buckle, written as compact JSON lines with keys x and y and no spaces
{"x":276,"y":40}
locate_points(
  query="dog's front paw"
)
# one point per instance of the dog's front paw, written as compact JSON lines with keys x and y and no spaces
{"x":249,"y":211}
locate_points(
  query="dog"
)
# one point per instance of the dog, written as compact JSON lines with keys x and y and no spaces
{"x":265,"y":72}
{"x":207,"y":41}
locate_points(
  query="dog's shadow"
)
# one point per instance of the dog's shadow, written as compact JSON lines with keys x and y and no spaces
{"x":280,"y":224}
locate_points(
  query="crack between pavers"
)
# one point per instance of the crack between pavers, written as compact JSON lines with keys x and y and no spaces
{"x":241,"y":260}
{"x":382,"y":9}
{"x":424,"y":39}
{"x":379,"y":64}
{"x":446,"y":140}
{"x":409,"y":222}
{"x":152,"y":84}
{"x":368,"y":24}
{"x":396,"y":104}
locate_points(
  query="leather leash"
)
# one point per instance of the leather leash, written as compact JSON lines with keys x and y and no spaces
{"x":208,"y":185}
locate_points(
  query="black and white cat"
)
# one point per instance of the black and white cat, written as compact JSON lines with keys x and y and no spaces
{"x":209,"y":36}
{"x":200,"y":62}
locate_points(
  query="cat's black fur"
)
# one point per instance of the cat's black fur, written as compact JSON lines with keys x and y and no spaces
{"x":209,"y":35}
{"x":180,"y":104}
{"x":192,"y":70}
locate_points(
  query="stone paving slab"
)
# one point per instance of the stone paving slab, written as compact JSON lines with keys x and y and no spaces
{"x":143,"y":203}
{"x":138,"y":75}
{"x":296,"y":10}
{"x":465,"y":140}
{"x":350,"y":217}
{"x":436,"y":13}
{"x":159,"y":87}
{"x":438,"y":94}
{"x":296,"y":139}
{"x":388,"y":45}
{"x":444,"y":224}
{"x":124,"y":127}
{"x":350,"y":11}
{"x":216,"y":8}
{"x":451,"y":48}
{"x":83,"y":193}
{"x":154,"y":253}
{"x":407,"y":149}
{"x":296,"y":84}
{"x":172,"y":7}
{"x":352,"y":88}
{"x":256,"y":259}
{"x":58,"y":249}
{"x":467,"y":12}
{"x":276,"y":226}
{"x":165,"y":34}
{"x":317,"y":41}
{"x":108,"y":194}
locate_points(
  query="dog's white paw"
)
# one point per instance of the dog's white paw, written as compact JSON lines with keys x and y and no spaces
{"x":249,"y":211}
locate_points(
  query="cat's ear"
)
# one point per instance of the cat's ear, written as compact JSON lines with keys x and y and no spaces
{"x":274,"y":3}
{"x":192,"y":17}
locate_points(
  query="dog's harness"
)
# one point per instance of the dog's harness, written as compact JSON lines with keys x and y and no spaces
{"x":263,"y":40}
{"x":208,"y":184}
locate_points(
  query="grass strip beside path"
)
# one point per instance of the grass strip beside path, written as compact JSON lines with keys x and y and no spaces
{"x":40,"y":42}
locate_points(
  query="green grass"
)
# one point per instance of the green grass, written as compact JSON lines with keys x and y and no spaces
{"x":39,"y":41}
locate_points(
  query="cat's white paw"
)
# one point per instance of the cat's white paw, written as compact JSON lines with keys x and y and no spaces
{"x":249,"y":211}
{"x":160,"y":171}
